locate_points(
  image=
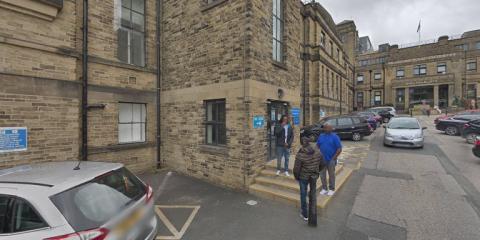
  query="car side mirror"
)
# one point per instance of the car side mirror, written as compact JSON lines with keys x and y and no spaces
{"x":424,"y":128}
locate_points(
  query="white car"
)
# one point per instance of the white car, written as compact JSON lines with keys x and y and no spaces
{"x":404,"y":132}
{"x":57,"y":201}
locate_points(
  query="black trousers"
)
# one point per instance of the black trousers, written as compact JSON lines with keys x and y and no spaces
{"x":312,"y":200}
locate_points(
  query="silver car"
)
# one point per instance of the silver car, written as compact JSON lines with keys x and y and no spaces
{"x":404,"y":132}
{"x":53,"y":201}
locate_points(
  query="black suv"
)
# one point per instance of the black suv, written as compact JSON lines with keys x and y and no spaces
{"x":471,"y":130}
{"x":347,"y":127}
{"x":453,"y":126}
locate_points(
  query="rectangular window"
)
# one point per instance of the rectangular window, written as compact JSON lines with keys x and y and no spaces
{"x":360,"y":79}
{"x":378,"y":98}
{"x":442,"y":68}
{"x":471,"y":91}
{"x":471,"y":66}
{"x":359,"y":99}
{"x":322,"y":39}
{"x":363,"y":63}
{"x":132,"y":120}
{"x":463,"y":47}
{"x":215,"y":127}
{"x":277,"y":26}
{"x":477,"y":45}
{"x":131,"y":34}
{"x":377,"y":76}
{"x":400,"y":73}
{"x":420,"y":70}
{"x":331,"y":48}
{"x":400,"y":95}
{"x":338,"y":54}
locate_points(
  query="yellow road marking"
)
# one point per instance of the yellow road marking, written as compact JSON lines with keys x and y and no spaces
{"x":176,"y":235}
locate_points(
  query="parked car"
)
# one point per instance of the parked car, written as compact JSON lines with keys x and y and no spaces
{"x":386,"y":113}
{"x":404,"y":132}
{"x":468,"y":112}
{"x":53,"y":201}
{"x":471,"y":130}
{"x":370,"y":117}
{"x":476,"y":147}
{"x":347,"y":127}
{"x":454,"y":125}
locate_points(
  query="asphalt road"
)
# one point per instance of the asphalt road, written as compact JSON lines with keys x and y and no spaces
{"x":430,"y":193}
{"x":419,"y":193}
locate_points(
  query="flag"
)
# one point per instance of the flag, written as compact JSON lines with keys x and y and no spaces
{"x":419,"y":26}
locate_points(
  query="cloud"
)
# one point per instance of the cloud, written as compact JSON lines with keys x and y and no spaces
{"x":396,"y":21}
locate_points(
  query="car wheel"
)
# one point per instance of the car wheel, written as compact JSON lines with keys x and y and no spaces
{"x":471,"y":137}
{"x":356,"y":137}
{"x":452,"y":131}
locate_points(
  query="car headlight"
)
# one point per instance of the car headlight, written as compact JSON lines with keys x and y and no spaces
{"x":418,"y":136}
{"x":388,"y":135}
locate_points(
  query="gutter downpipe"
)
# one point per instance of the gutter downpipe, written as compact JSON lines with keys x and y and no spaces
{"x":246,"y":87}
{"x":85,"y":83}
{"x":158,"y":84}
{"x":304,"y":57}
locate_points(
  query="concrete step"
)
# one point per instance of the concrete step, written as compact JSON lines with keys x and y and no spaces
{"x":268,"y":177}
{"x":272,"y":172}
{"x":289,"y":196}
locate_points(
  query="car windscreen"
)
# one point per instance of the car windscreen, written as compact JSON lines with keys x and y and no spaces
{"x":404,"y":124}
{"x":92,"y":204}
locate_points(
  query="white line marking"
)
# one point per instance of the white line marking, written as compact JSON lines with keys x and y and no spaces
{"x":177,"y":235}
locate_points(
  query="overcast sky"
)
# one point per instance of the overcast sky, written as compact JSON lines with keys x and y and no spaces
{"x":396,"y":21}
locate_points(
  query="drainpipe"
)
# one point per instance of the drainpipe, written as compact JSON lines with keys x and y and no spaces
{"x":85,"y":83}
{"x":304,"y":108}
{"x":158,"y":83}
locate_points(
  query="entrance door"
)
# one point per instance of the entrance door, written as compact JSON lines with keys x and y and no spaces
{"x":275,"y":111}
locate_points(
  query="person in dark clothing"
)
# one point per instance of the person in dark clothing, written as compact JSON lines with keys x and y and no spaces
{"x":284,"y":140}
{"x":308,"y":164}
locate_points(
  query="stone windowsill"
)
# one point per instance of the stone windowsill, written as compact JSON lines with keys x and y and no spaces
{"x":220,"y":150}
{"x":209,"y":6}
{"x":281,"y":65}
{"x":120,"y":147}
{"x":43,"y":9}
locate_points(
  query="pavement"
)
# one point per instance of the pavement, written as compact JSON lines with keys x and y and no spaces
{"x":430,"y":193}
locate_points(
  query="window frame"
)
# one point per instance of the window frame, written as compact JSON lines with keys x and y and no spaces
{"x":375,"y":98}
{"x":132,"y":123}
{"x":278,"y":41}
{"x":375,"y":76}
{"x":12,"y":211}
{"x":469,"y":63}
{"x":400,"y":70}
{"x":420,"y":67}
{"x":477,"y":45}
{"x":358,"y":77}
{"x":439,"y":65}
{"x":215,"y":123}
{"x":323,"y":39}
{"x":130,"y":30}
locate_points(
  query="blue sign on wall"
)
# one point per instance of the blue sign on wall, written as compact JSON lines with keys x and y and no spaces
{"x":296,"y":116}
{"x":258,"y":121}
{"x":13,"y":139}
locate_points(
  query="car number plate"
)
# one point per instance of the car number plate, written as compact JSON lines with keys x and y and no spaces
{"x":126,"y":227}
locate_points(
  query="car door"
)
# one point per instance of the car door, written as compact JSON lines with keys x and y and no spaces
{"x":20,"y":219}
{"x":345,"y":127}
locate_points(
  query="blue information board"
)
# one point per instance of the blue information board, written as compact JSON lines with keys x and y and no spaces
{"x":258,"y":121}
{"x":296,"y":116}
{"x":13,"y":139}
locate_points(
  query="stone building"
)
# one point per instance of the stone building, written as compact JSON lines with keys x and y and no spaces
{"x":440,"y":73}
{"x":228,"y":70}
{"x":41,"y":78}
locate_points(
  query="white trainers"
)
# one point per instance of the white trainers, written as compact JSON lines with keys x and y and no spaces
{"x":323,"y":192}
{"x":304,"y":218}
{"x":286,"y":174}
{"x":330,"y":193}
{"x":278,"y":173}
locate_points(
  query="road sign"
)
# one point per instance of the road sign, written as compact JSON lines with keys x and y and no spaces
{"x":296,"y":116}
{"x":13,"y":139}
{"x":258,"y":121}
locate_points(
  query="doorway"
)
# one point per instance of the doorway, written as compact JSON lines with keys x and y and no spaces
{"x":275,"y":110}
